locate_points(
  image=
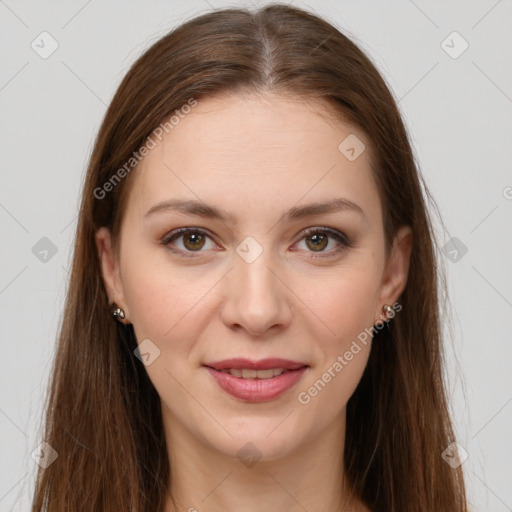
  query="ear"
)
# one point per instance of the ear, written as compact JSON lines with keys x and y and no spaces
{"x":395,"y":274}
{"x":110,"y":271}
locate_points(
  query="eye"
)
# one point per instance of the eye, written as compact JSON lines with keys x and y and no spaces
{"x":318,"y":238}
{"x":193,"y":240}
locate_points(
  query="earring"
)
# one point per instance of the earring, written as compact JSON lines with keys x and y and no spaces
{"x":388,"y":313}
{"x":387,"y":309}
{"x":117,"y":312}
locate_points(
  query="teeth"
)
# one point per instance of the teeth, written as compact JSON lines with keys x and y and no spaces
{"x":255,"y":374}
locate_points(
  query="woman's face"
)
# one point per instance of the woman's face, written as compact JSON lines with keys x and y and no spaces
{"x":254,"y":277}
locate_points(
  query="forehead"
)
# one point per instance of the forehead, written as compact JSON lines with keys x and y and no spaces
{"x":267,"y":128}
{"x":254,"y":151}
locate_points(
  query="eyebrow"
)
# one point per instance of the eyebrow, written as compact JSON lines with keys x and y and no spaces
{"x":193,"y":207}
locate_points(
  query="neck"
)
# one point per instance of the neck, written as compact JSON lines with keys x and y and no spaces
{"x":311,"y":477}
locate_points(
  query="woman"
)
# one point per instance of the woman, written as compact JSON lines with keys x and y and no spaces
{"x":252,"y":320}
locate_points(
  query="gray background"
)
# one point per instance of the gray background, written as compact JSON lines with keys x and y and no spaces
{"x":458,"y":111}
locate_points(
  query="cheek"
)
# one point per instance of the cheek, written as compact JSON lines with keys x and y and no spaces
{"x":167,"y":306}
{"x":161,"y":298}
{"x":347,"y":309}
{"x":326,"y":393}
{"x":344,"y":302}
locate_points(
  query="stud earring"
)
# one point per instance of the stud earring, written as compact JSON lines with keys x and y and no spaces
{"x":388,"y":310}
{"x":117,"y":312}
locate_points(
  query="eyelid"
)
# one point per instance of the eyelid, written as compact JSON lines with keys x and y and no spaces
{"x":334,"y":233}
{"x":176,"y":233}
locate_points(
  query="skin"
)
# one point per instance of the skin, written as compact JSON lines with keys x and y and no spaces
{"x":255,"y":156}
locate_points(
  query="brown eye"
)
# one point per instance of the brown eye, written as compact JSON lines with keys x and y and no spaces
{"x":318,"y":239}
{"x":193,"y":241}
{"x":318,"y":242}
{"x":187,"y":242}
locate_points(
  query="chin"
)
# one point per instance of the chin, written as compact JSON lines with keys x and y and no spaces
{"x":256,"y":441}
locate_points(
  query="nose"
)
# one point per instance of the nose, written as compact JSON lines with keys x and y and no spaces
{"x":257,"y":299}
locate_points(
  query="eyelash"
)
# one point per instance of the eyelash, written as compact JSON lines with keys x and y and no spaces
{"x":340,"y":237}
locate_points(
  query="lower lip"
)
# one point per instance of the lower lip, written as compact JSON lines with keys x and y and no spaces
{"x":257,"y":390}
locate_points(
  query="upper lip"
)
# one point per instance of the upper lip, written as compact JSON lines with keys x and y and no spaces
{"x":262,"y":364}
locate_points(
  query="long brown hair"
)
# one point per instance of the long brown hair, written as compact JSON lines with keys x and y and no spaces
{"x":103,"y":414}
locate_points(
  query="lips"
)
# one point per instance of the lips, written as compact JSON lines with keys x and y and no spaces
{"x":256,"y":381}
{"x":264,"y":364}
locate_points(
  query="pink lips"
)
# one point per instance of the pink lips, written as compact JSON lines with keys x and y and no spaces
{"x":256,"y":390}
